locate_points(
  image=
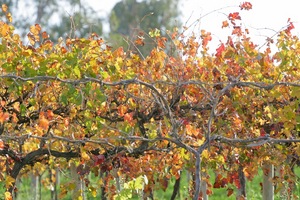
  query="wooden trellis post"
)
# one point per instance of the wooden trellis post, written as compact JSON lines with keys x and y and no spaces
{"x":268,"y":187}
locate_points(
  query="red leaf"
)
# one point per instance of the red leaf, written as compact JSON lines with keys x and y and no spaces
{"x":230,"y":42}
{"x":246,"y":6}
{"x":98,"y":159}
{"x":219,"y":50}
{"x":220,"y":182}
{"x":234,"y":16}
{"x":164,"y":183}
{"x":83,"y":169}
{"x":289,"y":28}
{"x":229,"y":192}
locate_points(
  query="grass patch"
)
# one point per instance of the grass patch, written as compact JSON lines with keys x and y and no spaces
{"x":253,"y":188}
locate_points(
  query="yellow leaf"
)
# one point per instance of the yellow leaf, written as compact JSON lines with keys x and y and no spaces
{"x":8,"y":196}
{"x":4,"y":7}
{"x":184,"y":154}
{"x":9,"y":17}
{"x":35,"y":29}
{"x":205,"y":154}
{"x":4,"y":29}
{"x":85,"y":156}
{"x":93,"y":191}
{"x":9,"y":181}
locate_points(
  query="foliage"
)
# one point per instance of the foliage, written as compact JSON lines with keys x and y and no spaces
{"x":137,"y":122}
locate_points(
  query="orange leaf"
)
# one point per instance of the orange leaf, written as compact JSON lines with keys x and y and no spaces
{"x":45,"y":35}
{"x":63,"y":50}
{"x":128,"y":117}
{"x":237,"y":31}
{"x":122,"y":109}
{"x":50,"y":114}
{"x":206,"y":37}
{"x":161,"y":42}
{"x":139,"y":41}
{"x":38,"y":27}
{"x":66,"y":121}
{"x":43,"y":122}
{"x":4,"y":117}
{"x":2,"y":145}
{"x":225,"y":24}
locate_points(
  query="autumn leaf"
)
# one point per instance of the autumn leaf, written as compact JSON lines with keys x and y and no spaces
{"x":140,"y":41}
{"x":43,"y":122}
{"x":237,"y":30}
{"x":45,"y":35}
{"x":31,"y":38}
{"x":289,"y":28}
{"x":234,"y":16}
{"x":9,"y":181}
{"x":229,"y":192}
{"x":128,"y":117}
{"x":225,"y":24}
{"x":122,"y":109}
{"x":9,"y":17}
{"x":219,"y":50}
{"x":4,"y":29}
{"x":4,"y":8}
{"x":161,"y":42}
{"x":2,"y":145}
{"x":4,"y":116}
{"x":206,"y":37}
{"x":246,"y":6}
{"x":85,"y":156}
{"x":8,"y":196}
{"x":98,"y":159}
{"x":35,"y":29}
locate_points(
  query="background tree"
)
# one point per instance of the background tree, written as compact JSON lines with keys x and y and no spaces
{"x":61,"y":18}
{"x":131,"y":18}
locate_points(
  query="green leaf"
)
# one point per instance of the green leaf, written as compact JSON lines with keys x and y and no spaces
{"x":295,"y":92}
{"x":23,"y":110}
{"x":77,"y":71}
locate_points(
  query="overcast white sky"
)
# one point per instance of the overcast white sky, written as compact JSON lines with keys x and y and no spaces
{"x":265,"y":14}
